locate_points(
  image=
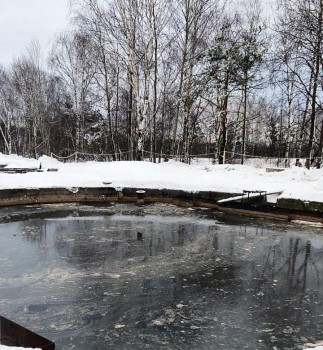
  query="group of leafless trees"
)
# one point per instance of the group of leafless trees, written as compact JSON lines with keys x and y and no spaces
{"x":158,"y":78}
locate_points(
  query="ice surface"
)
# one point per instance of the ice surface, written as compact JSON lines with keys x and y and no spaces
{"x":193,"y":278}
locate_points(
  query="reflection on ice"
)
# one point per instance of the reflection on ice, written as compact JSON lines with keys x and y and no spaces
{"x":190,"y":281}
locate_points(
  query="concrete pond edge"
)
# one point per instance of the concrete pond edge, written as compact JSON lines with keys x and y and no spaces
{"x":285,"y":209}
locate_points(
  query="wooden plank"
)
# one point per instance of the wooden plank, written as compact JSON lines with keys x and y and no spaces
{"x":252,"y":194}
{"x":13,"y":332}
{"x":19,"y":170}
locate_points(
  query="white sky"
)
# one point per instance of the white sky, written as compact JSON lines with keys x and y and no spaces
{"x":22,"y":21}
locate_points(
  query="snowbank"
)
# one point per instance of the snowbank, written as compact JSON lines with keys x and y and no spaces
{"x":296,"y":183}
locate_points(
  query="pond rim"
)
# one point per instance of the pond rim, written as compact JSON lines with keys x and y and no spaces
{"x":200,"y":199}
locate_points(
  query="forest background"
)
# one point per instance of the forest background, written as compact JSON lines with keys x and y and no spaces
{"x":171,"y":78}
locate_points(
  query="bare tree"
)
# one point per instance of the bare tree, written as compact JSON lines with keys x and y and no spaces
{"x":302,"y":25}
{"x":192,"y":23}
{"x":29,"y":80}
{"x":7,"y":111}
{"x":71,"y":59}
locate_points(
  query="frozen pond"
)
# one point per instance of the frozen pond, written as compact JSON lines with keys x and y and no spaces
{"x":160,"y":277}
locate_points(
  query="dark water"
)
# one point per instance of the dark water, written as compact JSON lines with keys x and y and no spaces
{"x":187,"y":280}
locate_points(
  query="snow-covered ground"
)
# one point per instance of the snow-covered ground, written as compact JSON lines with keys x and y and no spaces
{"x":298,"y":183}
{"x":295,"y":182}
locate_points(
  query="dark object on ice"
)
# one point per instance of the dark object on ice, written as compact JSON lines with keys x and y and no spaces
{"x":40,"y":166}
{"x":12,"y":334}
{"x":139,"y":236}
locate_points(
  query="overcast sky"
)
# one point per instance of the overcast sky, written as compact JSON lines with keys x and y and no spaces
{"x":22,"y":21}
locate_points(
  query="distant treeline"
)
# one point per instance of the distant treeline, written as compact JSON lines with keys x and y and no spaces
{"x":171,"y":77}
